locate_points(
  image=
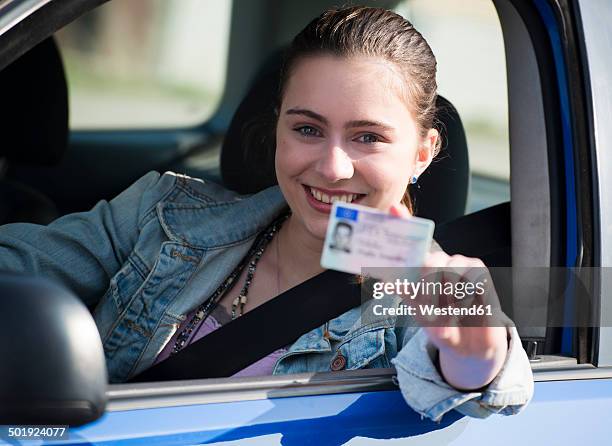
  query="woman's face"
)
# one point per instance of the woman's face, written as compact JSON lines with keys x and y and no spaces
{"x":345,"y":133}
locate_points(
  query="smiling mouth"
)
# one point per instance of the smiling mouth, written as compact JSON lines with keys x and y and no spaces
{"x":330,"y":197}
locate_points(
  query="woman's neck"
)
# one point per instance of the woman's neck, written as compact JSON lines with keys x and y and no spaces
{"x":299,"y":253}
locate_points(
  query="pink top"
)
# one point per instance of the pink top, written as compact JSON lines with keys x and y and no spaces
{"x":264,"y":366}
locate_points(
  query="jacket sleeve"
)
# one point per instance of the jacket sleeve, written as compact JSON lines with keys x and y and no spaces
{"x":429,"y":394}
{"x":85,"y":249}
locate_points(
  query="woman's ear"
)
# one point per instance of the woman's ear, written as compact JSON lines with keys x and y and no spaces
{"x":426,"y":152}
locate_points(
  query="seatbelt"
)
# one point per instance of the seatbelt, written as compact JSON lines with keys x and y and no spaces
{"x":261,"y":331}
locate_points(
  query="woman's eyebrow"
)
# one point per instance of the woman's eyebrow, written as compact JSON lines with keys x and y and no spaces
{"x":368,"y":123}
{"x":306,"y":112}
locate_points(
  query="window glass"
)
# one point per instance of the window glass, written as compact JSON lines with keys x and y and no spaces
{"x":146,"y":63}
{"x":466,"y":38}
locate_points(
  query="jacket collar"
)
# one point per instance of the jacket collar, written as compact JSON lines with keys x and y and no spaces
{"x":220,"y":224}
{"x":343,"y":328}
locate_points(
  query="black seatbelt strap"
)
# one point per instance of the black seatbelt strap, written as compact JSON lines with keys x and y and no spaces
{"x":261,"y":331}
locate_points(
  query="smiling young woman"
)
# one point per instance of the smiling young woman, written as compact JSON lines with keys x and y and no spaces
{"x":355,"y":116}
{"x":355,"y":123}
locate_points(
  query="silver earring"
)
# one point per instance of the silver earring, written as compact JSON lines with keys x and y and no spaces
{"x":414,"y":179}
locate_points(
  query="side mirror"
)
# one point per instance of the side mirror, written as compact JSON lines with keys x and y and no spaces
{"x":52,"y":368}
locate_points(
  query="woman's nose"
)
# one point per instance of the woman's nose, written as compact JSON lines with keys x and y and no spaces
{"x":335,"y":164}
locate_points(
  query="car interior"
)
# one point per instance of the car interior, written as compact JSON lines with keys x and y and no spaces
{"x":42,"y":106}
{"x":48,"y":171}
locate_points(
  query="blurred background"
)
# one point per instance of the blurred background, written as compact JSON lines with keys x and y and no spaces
{"x":162,"y":64}
{"x":146,"y":63}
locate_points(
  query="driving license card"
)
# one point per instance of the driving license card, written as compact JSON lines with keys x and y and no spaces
{"x":360,"y":237}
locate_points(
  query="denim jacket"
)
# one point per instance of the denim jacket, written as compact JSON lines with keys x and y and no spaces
{"x":145,"y":259}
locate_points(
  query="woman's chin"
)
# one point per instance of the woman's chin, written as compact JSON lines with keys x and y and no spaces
{"x":317,"y":227}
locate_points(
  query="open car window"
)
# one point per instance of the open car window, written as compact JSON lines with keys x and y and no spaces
{"x":146,"y":63}
{"x":469,"y":45}
{"x":164,"y":100}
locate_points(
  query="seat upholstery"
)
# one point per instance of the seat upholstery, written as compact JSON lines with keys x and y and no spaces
{"x":33,"y":127}
{"x":247,"y":155}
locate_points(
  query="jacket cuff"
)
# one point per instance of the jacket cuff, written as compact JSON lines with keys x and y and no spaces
{"x":430,"y":395}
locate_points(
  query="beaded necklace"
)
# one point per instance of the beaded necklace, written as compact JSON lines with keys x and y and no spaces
{"x":207,"y":307}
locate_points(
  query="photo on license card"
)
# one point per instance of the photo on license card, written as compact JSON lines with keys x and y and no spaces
{"x":359,"y":237}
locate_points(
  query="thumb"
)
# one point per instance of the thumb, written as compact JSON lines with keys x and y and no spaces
{"x":399,"y":210}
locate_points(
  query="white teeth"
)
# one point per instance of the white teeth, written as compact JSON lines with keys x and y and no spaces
{"x":332,"y":199}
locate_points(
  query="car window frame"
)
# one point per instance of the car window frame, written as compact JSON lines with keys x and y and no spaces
{"x":595,"y":65}
{"x":139,"y":396}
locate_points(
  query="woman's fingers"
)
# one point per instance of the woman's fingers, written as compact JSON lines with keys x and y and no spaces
{"x":466,"y":335}
{"x":399,"y":210}
{"x":444,"y":337}
{"x":436,"y":259}
{"x":432,"y":298}
{"x":470,"y":333}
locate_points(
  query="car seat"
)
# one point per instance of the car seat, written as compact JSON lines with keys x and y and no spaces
{"x":34,"y":128}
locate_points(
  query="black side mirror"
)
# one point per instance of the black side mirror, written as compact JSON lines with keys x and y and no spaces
{"x":52,"y":368}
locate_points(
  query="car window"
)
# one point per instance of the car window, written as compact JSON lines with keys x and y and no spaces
{"x":146,"y":63}
{"x":471,"y":75}
{"x":467,"y":39}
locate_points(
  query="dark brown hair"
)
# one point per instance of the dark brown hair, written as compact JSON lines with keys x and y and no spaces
{"x":373,"y":32}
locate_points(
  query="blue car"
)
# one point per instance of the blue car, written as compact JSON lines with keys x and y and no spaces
{"x":94,"y":94}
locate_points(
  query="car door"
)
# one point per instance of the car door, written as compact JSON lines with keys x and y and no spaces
{"x":559,"y":172}
{"x":359,"y":407}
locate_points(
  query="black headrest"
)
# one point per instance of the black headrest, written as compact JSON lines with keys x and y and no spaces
{"x":34,"y":112}
{"x":247,"y":155}
{"x":442,"y":190}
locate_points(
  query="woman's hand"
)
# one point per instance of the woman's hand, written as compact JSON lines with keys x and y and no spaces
{"x":470,"y":356}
